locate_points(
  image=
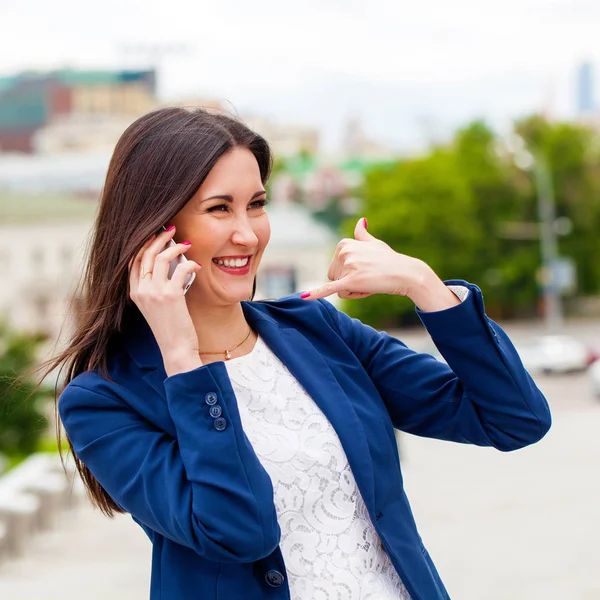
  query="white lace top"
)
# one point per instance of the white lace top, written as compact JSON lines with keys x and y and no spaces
{"x":330,"y":547}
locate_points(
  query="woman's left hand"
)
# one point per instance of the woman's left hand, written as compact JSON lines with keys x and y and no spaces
{"x":365,"y":265}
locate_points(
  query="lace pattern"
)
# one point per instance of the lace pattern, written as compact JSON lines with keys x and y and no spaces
{"x":330,"y":547}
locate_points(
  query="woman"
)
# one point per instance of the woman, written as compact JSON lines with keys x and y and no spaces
{"x":254,"y":441}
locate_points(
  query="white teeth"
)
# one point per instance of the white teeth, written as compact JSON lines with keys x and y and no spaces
{"x":234,"y":262}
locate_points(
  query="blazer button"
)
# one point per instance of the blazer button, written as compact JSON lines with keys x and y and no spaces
{"x":274,"y":578}
{"x":215,"y":411}
{"x":210,"y":398}
{"x":220,"y":424}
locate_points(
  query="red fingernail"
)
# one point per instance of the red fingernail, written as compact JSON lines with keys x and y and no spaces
{"x":170,"y":227}
{"x":304,"y":294}
{"x":199,"y":264}
{"x":365,"y":222}
{"x":186,"y":243}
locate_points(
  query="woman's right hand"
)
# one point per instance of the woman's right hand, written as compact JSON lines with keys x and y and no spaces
{"x":162,"y":301}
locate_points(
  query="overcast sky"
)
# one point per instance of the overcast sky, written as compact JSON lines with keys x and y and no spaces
{"x":413,"y":70}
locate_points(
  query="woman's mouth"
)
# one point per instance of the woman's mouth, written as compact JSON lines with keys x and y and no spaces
{"x":235,"y":265}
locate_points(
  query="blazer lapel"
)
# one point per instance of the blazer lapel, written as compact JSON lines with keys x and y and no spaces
{"x":307,"y":365}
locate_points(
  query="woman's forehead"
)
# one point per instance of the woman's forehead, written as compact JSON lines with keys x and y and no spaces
{"x":234,"y":173}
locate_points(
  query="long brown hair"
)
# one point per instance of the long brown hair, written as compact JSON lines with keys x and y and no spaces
{"x":158,"y":164}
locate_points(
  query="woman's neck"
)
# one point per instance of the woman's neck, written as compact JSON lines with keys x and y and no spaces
{"x":219,"y":328}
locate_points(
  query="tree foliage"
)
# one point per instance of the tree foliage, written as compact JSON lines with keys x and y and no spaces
{"x":452,"y":208}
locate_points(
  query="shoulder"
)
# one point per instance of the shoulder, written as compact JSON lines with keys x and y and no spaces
{"x":293,"y":310}
{"x":89,"y":389}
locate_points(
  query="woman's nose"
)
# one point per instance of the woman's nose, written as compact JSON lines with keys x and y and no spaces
{"x":244,"y":234}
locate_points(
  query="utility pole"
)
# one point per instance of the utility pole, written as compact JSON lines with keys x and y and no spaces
{"x":553,"y":313}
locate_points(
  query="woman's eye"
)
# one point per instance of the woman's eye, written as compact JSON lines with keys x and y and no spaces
{"x":260,"y":203}
{"x":218,"y":207}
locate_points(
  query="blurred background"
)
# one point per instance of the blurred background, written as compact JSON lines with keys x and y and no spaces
{"x":468,"y":133}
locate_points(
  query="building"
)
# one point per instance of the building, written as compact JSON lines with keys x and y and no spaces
{"x":298,"y":255}
{"x":327,"y":188}
{"x":357,"y":144}
{"x":585,"y":90}
{"x":285,"y":139}
{"x":71,"y":110}
{"x":80,"y":173}
{"x":41,"y":274}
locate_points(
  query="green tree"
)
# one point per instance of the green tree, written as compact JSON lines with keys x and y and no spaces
{"x":22,"y":424}
{"x":425,"y":208}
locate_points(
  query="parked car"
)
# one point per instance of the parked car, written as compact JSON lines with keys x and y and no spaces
{"x":594,"y":372}
{"x":556,"y":354}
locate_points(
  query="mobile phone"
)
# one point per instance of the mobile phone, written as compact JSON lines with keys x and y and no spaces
{"x":173,"y":265}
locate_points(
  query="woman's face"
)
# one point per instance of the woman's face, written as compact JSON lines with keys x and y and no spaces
{"x":228,"y":227}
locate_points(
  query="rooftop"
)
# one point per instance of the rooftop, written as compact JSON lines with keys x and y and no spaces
{"x":76,"y":77}
{"x":60,"y":174}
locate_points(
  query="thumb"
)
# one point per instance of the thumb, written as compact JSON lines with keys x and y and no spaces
{"x":361,"y":233}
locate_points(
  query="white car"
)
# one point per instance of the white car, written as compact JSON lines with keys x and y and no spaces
{"x":555,"y":354}
{"x":594,"y":372}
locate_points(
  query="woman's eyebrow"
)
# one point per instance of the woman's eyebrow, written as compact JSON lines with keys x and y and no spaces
{"x":229,"y":198}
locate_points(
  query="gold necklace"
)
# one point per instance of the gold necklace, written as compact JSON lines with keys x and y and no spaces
{"x":227,"y":353}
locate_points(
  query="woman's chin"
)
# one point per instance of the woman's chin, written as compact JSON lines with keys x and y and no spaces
{"x":221,"y":294}
{"x":237,"y":293}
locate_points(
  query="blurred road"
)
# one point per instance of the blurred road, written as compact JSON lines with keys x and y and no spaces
{"x":517,"y":526}
{"x":88,"y":558}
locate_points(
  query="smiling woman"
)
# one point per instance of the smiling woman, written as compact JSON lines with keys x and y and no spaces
{"x":254,"y":441}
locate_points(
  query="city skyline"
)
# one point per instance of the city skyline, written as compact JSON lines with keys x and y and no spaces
{"x":413,"y":73}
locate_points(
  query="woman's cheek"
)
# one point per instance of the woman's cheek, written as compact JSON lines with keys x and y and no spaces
{"x":265,"y":234}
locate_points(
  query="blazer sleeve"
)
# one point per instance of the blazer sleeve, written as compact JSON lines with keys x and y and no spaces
{"x":483,"y":395}
{"x":203,"y":488}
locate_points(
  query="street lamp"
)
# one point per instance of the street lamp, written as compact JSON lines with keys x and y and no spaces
{"x":536,"y":163}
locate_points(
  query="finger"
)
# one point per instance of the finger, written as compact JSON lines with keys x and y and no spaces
{"x":155,"y":248}
{"x":335,"y":267}
{"x":182,"y":271}
{"x":361,"y":233}
{"x":135,"y":264}
{"x":332,"y":272}
{"x":353,"y":295}
{"x":136,"y":261}
{"x":164,"y":259}
{"x":326,"y":290}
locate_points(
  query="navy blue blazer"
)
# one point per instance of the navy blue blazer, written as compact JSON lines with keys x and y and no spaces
{"x":196,"y":486}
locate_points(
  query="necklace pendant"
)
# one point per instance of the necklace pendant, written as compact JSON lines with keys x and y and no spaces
{"x":227,"y":355}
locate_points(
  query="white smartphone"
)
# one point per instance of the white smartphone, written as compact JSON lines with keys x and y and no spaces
{"x":173,"y":265}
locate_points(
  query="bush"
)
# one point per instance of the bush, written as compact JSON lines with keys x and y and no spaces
{"x":22,"y":424}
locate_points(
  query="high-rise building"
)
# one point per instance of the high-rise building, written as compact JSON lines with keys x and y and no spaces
{"x":585,"y":89}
